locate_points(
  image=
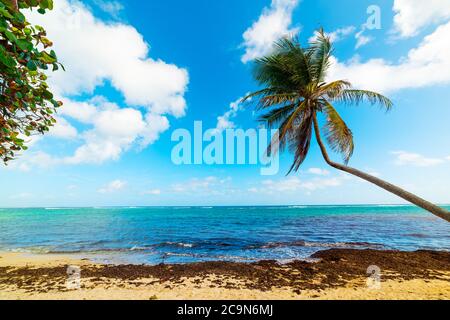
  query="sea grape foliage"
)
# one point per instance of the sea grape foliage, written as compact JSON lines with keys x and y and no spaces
{"x":27,"y":105}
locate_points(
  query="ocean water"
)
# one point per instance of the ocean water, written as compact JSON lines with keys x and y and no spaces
{"x":192,"y":234}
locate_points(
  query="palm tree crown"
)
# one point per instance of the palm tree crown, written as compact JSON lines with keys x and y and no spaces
{"x":296,"y":90}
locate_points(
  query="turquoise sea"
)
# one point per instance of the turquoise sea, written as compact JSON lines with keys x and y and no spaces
{"x":153,"y":235}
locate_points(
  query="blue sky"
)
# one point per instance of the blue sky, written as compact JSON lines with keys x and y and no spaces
{"x":138,"y":70}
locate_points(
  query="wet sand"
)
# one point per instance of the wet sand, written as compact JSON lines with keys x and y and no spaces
{"x":336,"y":274}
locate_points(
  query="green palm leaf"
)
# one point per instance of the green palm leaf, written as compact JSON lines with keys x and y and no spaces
{"x":339,"y":136}
{"x":278,"y":115}
{"x":300,"y":141}
{"x":295,"y":89}
{"x":321,"y":52}
{"x":353,"y":96}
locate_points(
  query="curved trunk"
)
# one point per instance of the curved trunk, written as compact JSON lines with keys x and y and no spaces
{"x":408,"y":196}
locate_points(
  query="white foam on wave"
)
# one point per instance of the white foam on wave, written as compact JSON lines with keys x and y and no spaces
{"x":180,"y":244}
{"x":33,"y":250}
{"x":393,"y":205}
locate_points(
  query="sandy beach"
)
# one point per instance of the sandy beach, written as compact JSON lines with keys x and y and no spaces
{"x":335,"y":274}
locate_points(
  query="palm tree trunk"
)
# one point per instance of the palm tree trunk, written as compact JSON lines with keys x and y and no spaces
{"x":434,"y":209}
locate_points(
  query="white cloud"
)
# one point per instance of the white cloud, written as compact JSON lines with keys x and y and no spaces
{"x":318,"y":171}
{"x":82,"y":111}
{"x":413,"y":15}
{"x":110,"y":6}
{"x":63,"y":129}
{"x":115,"y":130}
{"x":273,"y":24}
{"x":341,"y":33}
{"x":413,"y":159}
{"x":337,"y":35}
{"x":113,"y":186}
{"x":112,"y":132}
{"x":94,"y":51}
{"x":361,"y":39}
{"x":225,"y":121}
{"x":32,"y":159}
{"x":426,"y":65}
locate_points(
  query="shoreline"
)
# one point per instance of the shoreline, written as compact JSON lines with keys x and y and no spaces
{"x":338,"y":274}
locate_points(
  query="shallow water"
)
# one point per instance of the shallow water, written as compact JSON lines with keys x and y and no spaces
{"x":191,"y":234}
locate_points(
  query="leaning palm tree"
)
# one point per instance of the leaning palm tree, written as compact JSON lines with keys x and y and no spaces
{"x":296,"y":91}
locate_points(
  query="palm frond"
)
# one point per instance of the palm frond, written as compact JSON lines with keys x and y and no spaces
{"x":270,"y":97}
{"x":289,"y":66}
{"x":278,"y":115}
{"x":321,"y":52}
{"x":277,"y":100}
{"x":300,"y":141}
{"x":298,"y":57}
{"x":333,"y":89}
{"x":353,"y":96}
{"x":262,"y":93}
{"x":275,"y":71}
{"x":339,"y":136}
{"x":288,"y":127}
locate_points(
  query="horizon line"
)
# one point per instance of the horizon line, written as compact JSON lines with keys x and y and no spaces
{"x":220,"y":206}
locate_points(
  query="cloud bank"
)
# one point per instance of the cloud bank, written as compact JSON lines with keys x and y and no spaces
{"x":411,"y":16}
{"x":426,"y":65}
{"x":94,"y":53}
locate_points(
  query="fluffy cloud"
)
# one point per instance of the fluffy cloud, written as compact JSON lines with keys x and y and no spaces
{"x":426,"y":65}
{"x":31,"y":160}
{"x":114,"y":130}
{"x":95,"y":52}
{"x":413,"y":159}
{"x":225,"y":121}
{"x":341,"y":33}
{"x":113,"y":186}
{"x":63,"y":129}
{"x":273,"y":24}
{"x":413,"y":15}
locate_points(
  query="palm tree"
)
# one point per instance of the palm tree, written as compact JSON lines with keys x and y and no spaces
{"x":296,"y":91}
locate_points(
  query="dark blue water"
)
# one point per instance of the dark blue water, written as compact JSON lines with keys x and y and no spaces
{"x":188,"y":234}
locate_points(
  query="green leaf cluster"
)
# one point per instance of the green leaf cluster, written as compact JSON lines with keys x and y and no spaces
{"x":27,"y":105}
{"x":295,"y":90}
